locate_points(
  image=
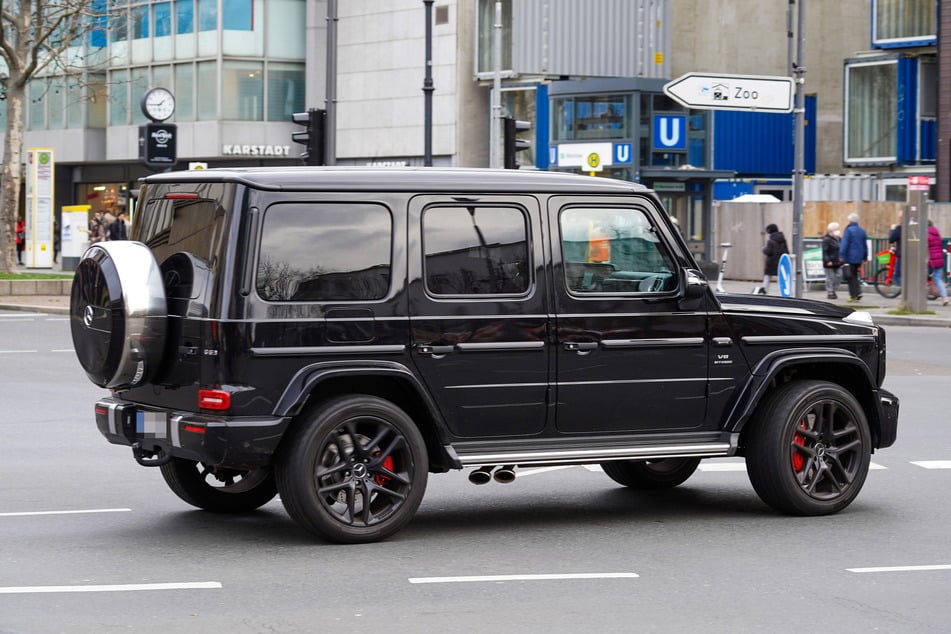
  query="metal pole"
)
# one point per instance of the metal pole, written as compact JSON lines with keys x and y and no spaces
{"x":428,"y":89}
{"x":330,"y":126}
{"x":494,"y":131}
{"x":799,"y":166}
{"x":914,"y":252}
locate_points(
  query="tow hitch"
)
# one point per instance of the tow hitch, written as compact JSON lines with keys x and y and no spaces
{"x":150,"y":457}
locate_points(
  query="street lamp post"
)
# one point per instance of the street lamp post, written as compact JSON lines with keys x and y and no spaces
{"x":428,"y":89}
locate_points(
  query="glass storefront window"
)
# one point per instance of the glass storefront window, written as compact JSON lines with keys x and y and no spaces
{"x":184,"y":92}
{"x":207,"y":84}
{"x":119,"y":97}
{"x":592,"y":117}
{"x":487,"y":35}
{"x":871,"y":112}
{"x":285,"y":91}
{"x":242,"y":91}
{"x":184,"y":16}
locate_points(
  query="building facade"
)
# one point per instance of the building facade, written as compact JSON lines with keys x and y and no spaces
{"x":588,"y":76}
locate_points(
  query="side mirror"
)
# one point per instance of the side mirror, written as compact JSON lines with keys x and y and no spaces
{"x":695,"y":289}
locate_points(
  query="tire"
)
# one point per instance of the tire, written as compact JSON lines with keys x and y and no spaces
{"x":347,"y":451}
{"x":809,"y":448}
{"x":651,"y":474}
{"x":217,"y":489}
{"x":118,"y":315}
{"x":884,"y":288}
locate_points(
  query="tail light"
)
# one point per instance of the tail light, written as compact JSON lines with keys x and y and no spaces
{"x":214,"y":399}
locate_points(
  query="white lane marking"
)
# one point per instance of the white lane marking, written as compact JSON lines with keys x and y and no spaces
{"x":77,"y":512}
{"x":527,"y":472}
{"x":128,"y":587}
{"x":16,"y":351}
{"x":490,"y":578}
{"x":933,"y":464}
{"x":57,"y":319}
{"x":902,"y":568}
{"x":722,"y":466}
{"x":64,"y":350}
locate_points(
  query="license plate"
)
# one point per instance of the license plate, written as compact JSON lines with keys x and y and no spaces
{"x":151,"y":424}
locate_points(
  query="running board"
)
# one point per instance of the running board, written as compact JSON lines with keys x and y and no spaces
{"x":588,"y":456}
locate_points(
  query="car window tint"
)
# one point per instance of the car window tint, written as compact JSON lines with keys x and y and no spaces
{"x":476,"y":250}
{"x":325,"y":252}
{"x":613,"y":251}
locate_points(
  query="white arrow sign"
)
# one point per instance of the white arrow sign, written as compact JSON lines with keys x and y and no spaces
{"x":732,"y":92}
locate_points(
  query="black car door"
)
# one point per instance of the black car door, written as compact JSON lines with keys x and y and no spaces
{"x":629,"y":358}
{"x":478,"y":314}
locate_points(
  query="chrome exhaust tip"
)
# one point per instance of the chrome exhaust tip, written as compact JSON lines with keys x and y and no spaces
{"x":481,"y":475}
{"x":504,"y":475}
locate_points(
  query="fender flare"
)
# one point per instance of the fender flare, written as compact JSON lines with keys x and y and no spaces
{"x":772,"y":364}
{"x":303,"y":383}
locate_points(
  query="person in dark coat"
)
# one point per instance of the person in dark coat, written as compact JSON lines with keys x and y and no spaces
{"x":853,"y":251}
{"x":774,"y":249}
{"x":830,"y":259}
{"x":118,"y":229}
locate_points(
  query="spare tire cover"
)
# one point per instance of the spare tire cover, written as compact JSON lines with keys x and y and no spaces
{"x":118,"y":314}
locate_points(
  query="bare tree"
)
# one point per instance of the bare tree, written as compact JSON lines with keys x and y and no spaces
{"x":36,"y":38}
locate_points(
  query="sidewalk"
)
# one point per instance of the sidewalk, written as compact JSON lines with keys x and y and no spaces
{"x":871,"y":301}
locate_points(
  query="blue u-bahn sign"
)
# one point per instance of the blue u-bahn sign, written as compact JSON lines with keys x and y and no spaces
{"x":669,"y":132}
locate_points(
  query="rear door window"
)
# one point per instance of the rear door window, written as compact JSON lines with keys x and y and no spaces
{"x":476,"y":250}
{"x":325,"y":252}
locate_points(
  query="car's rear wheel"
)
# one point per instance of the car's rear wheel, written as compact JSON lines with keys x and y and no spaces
{"x":354,"y":470}
{"x":809,"y":448}
{"x":118,"y":314}
{"x":218,"y":489}
{"x":651,"y":474}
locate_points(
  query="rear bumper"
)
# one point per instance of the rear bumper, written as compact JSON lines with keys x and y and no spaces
{"x":888,"y":418}
{"x":237,"y":442}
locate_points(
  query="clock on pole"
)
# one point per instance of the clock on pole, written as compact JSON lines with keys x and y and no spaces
{"x":158,"y":104}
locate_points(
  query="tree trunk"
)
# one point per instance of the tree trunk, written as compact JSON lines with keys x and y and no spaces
{"x":11,"y":177}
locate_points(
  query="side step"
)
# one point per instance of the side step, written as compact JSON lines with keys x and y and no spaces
{"x":560,"y":456}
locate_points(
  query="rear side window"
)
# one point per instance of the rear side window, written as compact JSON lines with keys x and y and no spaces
{"x":325,"y":252}
{"x":475,"y":250}
{"x":183,"y":217}
{"x":613,"y":251}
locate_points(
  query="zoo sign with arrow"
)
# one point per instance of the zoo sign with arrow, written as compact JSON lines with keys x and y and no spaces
{"x":761,"y":93}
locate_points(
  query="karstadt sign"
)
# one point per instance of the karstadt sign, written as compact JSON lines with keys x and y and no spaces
{"x":255,"y":150}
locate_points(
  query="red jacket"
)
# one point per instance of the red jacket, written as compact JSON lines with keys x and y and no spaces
{"x":935,"y":248}
{"x":21,"y":232}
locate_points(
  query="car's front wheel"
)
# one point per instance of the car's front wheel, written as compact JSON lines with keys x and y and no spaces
{"x":651,"y":474}
{"x":354,"y":470}
{"x":809,"y":448}
{"x":218,"y":489}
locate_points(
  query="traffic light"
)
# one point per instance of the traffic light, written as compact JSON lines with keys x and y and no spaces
{"x":313,"y":137}
{"x":510,"y":129}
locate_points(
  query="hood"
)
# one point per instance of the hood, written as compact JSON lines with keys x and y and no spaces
{"x":743,"y":302}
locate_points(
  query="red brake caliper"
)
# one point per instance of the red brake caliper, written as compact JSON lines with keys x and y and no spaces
{"x":798,"y":462}
{"x":383,"y":480}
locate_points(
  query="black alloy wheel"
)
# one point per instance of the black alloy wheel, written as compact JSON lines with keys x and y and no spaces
{"x":809,"y":448}
{"x":651,"y":474}
{"x":354,"y":471}
{"x":218,"y":489}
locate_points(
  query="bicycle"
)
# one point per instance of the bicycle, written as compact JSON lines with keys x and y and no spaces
{"x":885,"y":276}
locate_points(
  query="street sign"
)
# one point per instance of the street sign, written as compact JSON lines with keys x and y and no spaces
{"x":784,"y":276}
{"x":761,"y":93}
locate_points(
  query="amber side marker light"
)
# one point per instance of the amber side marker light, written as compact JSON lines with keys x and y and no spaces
{"x":214,"y":399}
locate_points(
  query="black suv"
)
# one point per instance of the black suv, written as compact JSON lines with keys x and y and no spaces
{"x":337,"y":334}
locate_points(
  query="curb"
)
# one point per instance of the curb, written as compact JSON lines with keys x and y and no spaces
{"x":26,"y":308}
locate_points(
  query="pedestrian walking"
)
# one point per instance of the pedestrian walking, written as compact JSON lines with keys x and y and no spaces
{"x":773,"y":250}
{"x":853,"y":251}
{"x":21,"y":239}
{"x":936,"y":262}
{"x":830,"y":259}
{"x":97,"y":228}
{"x":118,"y":230}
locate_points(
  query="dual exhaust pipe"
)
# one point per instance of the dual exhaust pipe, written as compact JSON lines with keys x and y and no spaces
{"x":503,"y":475}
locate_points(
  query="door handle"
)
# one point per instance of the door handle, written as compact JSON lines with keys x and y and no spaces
{"x":580,"y":346}
{"x":426,"y":348}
